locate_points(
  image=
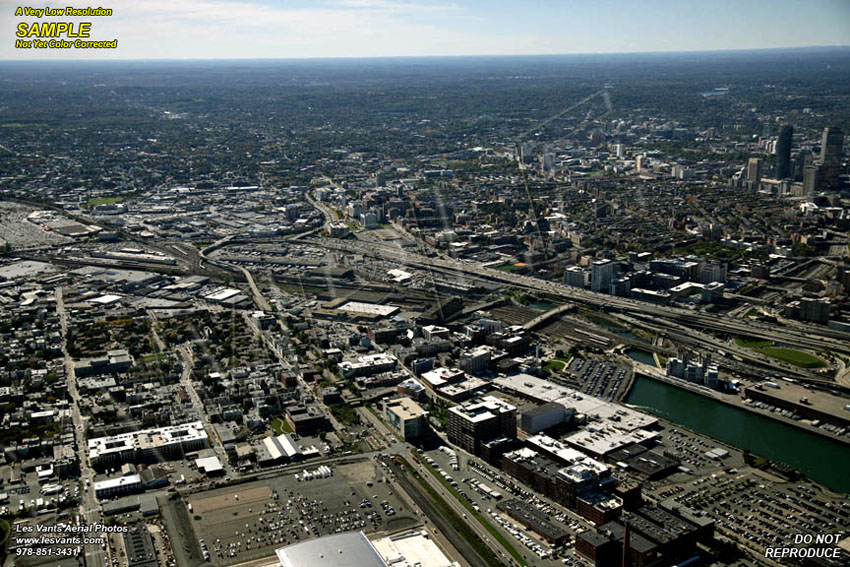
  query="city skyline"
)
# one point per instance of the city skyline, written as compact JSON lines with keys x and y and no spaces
{"x":211,"y":29}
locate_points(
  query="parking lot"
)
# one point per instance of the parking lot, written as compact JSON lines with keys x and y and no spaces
{"x":691,"y":450}
{"x":248,"y":521}
{"x":595,"y":377}
{"x":483,"y":487}
{"x":754,"y":508}
{"x":764,"y":513}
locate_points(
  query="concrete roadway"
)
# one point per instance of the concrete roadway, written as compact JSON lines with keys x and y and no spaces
{"x":188,"y":358}
{"x":94,"y":555}
{"x":806,"y":336}
{"x":402,"y":449}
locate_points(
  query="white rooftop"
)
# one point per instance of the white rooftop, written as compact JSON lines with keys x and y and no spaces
{"x":280,"y":446}
{"x":350,"y":549}
{"x":222,"y":294}
{"x":209,"y":464}
{"x":368,"y":308}
{"x":106,"y":299}
{"x":568,"y":455}
{"x":410,"y":550}
{"x":483,"y":408}
{"x":146,"y":438}
{"x":128,"y":480}
{"x":621,"y":417}
{"x":604,"y":438}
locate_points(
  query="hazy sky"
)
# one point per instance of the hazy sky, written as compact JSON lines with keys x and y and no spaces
{"x":212,"y":29}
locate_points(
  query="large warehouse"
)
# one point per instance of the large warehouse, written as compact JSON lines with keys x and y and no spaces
{"x":354,"y":549}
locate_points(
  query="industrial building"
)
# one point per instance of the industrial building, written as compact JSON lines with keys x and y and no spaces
{"x":354,"y":549}
{"x":546,"y":416}
{"x":210,"y":466}
{"x":115,"y":362}
{"x":368,"y":365}
{"x":412,"y":549}
{"x":583,"y":485}
{"x":147,"y":445}
{"x":371,"y":311}
{"x":474,"y":423}
{"x":350,"y":549}
{"x":533,"y":519}
{"x":139,"y":547}
{"x":587,"y":407}
{"x":121,"y":486}
{"x":655,"y":535}
{"x":647,"y":463}
{"x":306,"y":419}
{"x":604,"y":547}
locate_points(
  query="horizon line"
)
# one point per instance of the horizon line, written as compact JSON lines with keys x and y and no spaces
{"x":455,"y":56}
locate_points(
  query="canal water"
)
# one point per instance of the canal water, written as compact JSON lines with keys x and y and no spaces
{"x":641,"y":356}
{"x":619,"y":330}
{"x":821,"y":459}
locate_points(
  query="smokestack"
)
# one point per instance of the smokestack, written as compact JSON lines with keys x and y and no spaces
{"x":627,"y":559}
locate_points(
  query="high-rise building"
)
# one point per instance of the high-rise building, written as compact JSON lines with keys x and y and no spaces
{"x":815,"y":309}
{"x":801,"y":161}
{"x":714,"y":272}
{"x":477,"y":421}
{"x":754,"y":170}
{"x":577,"y":276}
{"x":602,"y":274}
{"x":811,"y":179}
{"x":620,"y":150}
{"x":832,"y":145}
{"x":783,"y":152}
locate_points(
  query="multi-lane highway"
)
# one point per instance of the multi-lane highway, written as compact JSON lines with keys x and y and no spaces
{"x":813,"y":337}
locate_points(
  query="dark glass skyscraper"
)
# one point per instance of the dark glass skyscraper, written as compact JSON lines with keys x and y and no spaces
{"x":783,"y":152}
{"x":831,"y":145}
{"x":830,"y":156}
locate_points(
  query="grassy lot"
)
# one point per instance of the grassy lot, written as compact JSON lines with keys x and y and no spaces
{"x":750,"y":342}
{"x":509,"y":267}
{"x":280,"y":426}
{"x":795,"y":357}
{"x":297,"y":289}
{"x":791,"y":356}
{"x":157,"y":356}
{"x":346,"y":415}
{"x":557,"y":364}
